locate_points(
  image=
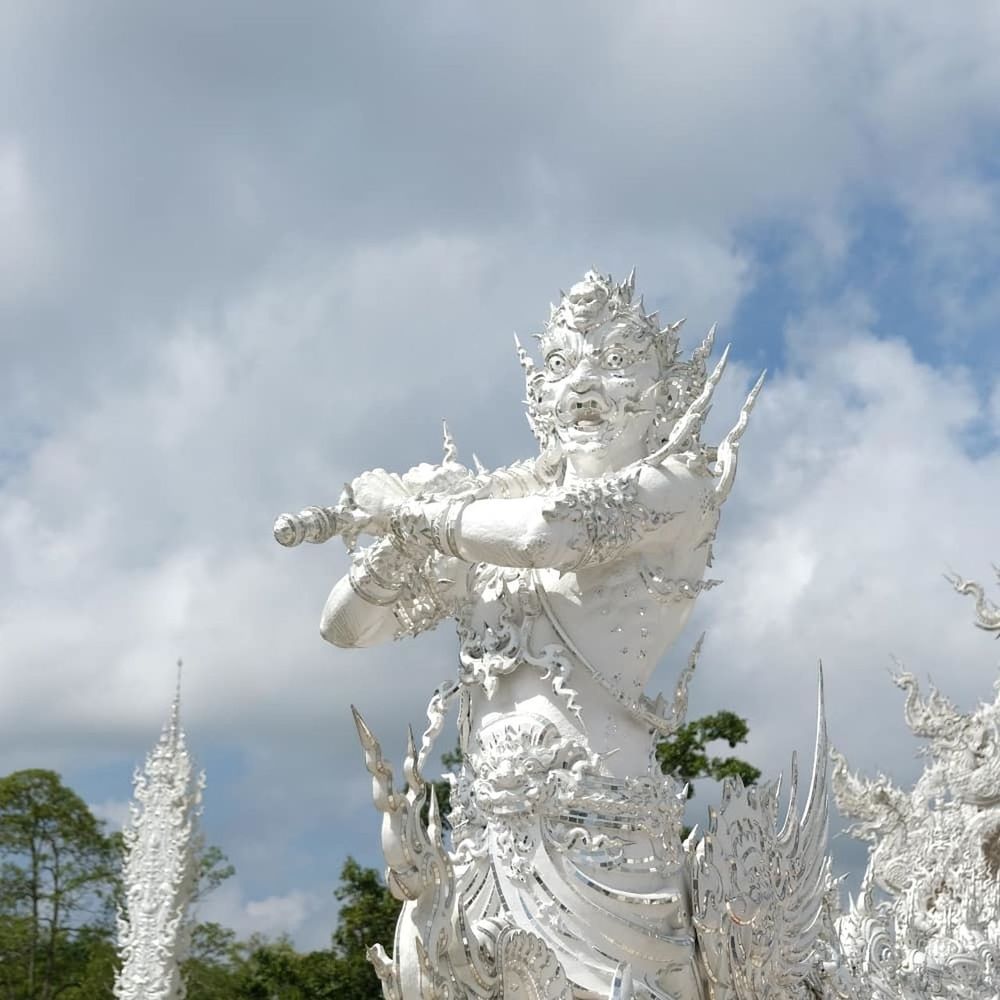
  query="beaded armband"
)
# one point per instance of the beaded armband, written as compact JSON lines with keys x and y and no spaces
{"x":423,"y":602}
{"x":385,"y":576}
{"x":413,"y":533}
{"x":378,"y":574}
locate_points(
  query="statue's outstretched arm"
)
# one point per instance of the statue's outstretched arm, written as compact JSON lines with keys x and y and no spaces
{"x":588,"y":522}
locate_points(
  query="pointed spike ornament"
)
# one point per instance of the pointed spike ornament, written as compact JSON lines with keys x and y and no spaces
{"x":668,"y":342}
{"x":629,"y":287}
{"x":704,"y":350}
{"x":524,"y":357}
{"x":690,"y":423}
{"x":729,"y":448}
{"x":160,"y":870}
{"x":449,"y":447}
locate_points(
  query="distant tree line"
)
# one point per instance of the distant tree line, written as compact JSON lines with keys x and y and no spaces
{"x":60,"y":891}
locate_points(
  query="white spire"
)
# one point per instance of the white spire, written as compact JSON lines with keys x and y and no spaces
{"x":160,"y":868}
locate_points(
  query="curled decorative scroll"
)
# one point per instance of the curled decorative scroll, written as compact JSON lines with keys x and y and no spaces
{"x":528,"y":968}
{"x":987,"y":613}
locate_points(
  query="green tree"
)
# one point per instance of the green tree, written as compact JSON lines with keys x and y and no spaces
{"x":271,"y":971}
{"x":57,"y":880}
{"x":685,"y":755}
{"x":213,"y":869}
{"x":215,"y":963}
{"x":367,"y":916}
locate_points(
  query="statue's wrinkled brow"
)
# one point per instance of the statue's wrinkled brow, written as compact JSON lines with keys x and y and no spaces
{"x":561,"y":339}
{"x":636,"y":342}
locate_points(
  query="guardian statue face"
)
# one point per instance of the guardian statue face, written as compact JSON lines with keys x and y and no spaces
{"x":602,"y":369}
{"x":598,"y":386}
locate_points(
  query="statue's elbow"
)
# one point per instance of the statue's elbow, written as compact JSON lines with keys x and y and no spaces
{"x":337,"y":632}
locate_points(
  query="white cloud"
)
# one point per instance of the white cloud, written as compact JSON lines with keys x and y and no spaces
{"x":114,"y":812}
{"x":855,"y":493}
{"x":140,"y":532}
{"x":313,"y":306}
{"x":270,"y":916}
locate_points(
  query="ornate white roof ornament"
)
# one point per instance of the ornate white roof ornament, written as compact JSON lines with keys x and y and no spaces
{"x":160,"y":869}
{"x":926,"y":925}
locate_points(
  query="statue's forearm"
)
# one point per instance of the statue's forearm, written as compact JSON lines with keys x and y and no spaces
{"x":586,"y":523}
{"x":515,"y":533}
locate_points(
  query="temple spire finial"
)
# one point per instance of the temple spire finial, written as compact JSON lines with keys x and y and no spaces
{"x":160,"y":867}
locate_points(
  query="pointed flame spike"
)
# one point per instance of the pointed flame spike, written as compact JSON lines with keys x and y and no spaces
{"x":411,"y":764}
{"x":480,"y":468}
{"x":690,"y":424}
{"x":365,"y":734}
{"x":174,"y":724}
{"x":450,"y":449}
{"x":523,"y":357}
{"x":433,"y":817}
{"x":630,"y":284}
{"x":729,"y":448}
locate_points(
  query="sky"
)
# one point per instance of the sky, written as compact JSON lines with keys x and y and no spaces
{"x":248,"y":251}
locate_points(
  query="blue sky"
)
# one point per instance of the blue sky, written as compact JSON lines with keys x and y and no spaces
{"x":246,"y":253}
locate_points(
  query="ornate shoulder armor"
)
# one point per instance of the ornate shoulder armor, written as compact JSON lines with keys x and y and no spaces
{"x":606,"y":514}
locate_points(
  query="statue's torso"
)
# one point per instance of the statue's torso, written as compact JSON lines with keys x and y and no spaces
{"x":560,"y":788}
{"x":533,"y":636}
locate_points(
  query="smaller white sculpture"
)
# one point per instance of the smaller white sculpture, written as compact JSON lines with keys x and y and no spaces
{"x":160,"y":869}
{"x":926,"y":925}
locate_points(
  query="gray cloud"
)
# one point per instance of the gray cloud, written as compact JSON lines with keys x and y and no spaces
{"x":245,"y":254}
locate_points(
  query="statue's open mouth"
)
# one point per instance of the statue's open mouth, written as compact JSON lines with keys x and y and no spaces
{"x":587,"y":412}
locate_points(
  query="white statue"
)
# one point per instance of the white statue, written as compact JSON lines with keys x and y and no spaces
{"x":569,"y":576}
{"x":160,"y":869}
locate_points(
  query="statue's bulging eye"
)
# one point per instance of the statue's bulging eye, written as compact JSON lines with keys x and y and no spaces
{"x":556,"y":364}
{"x":614,"y":359}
